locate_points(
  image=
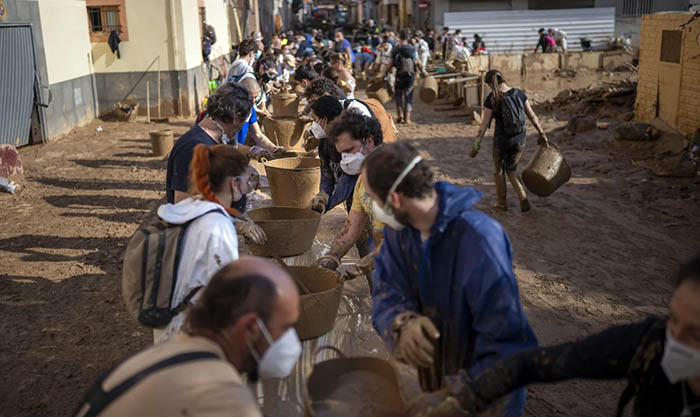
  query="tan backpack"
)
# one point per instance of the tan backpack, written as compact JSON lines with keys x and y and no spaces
{"x":149,"y":273}
{"x":377,"y":110}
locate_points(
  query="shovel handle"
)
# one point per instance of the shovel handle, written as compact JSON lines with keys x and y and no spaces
{"x":327,"y":347}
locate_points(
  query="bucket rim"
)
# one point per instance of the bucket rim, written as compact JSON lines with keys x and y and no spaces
{"x":338,"y":285}
{"x":301,"y":158}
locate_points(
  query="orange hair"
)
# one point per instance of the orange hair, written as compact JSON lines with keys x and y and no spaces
{"x":210,"y":167}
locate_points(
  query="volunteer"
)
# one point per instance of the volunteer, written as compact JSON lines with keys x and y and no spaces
{"x":220,"y":176}
{"x":659,"y":357}
{"x":248,"y":52}
{"x":508,"y":106}
{"x":355,"y":136}
{"x":403,"y":58}
{"x":369,"y":107}
{"x":445,"y":296}
{"x":242,"y":325}
{"x":336,"y":186}
{"x":227,"y":110}
{"x":252,"y":124}
{"x":339,"y":73}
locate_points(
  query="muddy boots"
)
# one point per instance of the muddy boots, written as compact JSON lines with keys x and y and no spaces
{"x":520,"y":190}
{"x":500,"y":180}
{"x":407,"y":116}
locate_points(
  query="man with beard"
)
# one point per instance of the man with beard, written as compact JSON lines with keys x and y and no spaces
{"x":242,"y":324}
{"x":445,"y":296}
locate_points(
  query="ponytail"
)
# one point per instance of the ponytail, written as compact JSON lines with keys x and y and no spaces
{"x":494,"y":79}
{"x":210,"y":167}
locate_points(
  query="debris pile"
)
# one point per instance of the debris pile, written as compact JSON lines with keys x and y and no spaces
{"x":600,"y":100}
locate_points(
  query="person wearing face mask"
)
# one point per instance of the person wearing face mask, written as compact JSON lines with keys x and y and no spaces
{"x":355,"y":136}
{"x":227,"y":110}
{"x":338,"y":72}
{"x":251,"y":125}
{"x":659,"y":357}
{"x":248,"y":53}
{"x":336,"y":186}
{"x":445,"y":297}
{"x":220,"y":175}
{"x":243,"y":325}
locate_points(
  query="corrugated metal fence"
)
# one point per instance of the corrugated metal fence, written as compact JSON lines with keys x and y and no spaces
{"x":516,"y":30}
{"x":16,"y":84}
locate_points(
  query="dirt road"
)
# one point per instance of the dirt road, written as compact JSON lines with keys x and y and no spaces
{"x":596,"y":253}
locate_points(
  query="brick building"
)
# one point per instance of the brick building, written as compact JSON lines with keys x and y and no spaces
{"x":669,"y":71}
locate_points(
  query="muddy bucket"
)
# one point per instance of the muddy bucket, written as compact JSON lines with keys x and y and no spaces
{"x":293,"y":181}
{"x":382,"y":95}
{"x":285,"y":131}
{"x":285,"y":104}
{"x":429,"y":90}
{"x":161,"y":141}
{"x":319,"y":307}
{"x":546,"y":172}
{"x":290,"y":230}
{"x":353,"y":387}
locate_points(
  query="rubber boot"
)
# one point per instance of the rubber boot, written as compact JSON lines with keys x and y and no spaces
{"x":519,"y":190}
{"x":500,"y":192}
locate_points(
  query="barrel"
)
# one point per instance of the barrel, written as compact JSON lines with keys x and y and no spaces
{"x":285,"y":104}
{"x":429,"y":90}
{"x":293,"y":181}
{"x":285,"y":131}
{"x":161,"y":141}
{"x":546,"y":172}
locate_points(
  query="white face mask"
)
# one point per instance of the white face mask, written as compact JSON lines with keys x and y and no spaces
{"x":225,"y":139}
{"x":318,"y":131}
{"x":280,"y":357}
{"x":680,"y":362}
{"x":351,"y":163}
{"x":386,"y":214}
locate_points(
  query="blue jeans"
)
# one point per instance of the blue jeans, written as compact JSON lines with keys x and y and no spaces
{"x":404,"y":92}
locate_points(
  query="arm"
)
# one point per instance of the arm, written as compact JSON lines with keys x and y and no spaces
{"x":488,"y":114}
{"x":533,"y":117}
{"x":260,"y":139}
{"x":498,"y":321}
{"x":353,"y":227}
{"x":391,"y":293}
{"x":606,"y":355}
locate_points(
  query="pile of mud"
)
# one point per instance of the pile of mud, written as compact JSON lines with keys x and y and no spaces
{"x":600,"y":100}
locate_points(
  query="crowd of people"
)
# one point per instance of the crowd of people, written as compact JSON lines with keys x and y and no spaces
{"x":444,"y":295}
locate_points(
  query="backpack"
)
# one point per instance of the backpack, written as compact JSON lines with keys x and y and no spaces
{"x":405,"y":65}
{"x":149,"y":273}
{"x":377,"y":110}
{"x":512,"y":111}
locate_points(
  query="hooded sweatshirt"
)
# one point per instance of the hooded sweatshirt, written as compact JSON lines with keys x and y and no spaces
{"x":461,"y":278}
{"x":210,"y":243}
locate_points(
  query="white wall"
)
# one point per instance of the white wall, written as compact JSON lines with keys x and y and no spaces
{"x":189,"y":34}
{"x":217,"y":16}
{"x":66,"y":39}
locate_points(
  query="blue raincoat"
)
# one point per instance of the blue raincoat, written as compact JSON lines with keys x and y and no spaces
{"x":462,"y":279}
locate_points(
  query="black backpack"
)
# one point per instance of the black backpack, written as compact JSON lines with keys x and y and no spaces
{"x":512,"y":111}
{"x":405,"y":65}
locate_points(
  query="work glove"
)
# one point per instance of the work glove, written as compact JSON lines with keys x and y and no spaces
{"x":319,"y":202}
{"x":475,"y":149}
{"x":310,"y":142}
{"x":435,"y":404}
{"x":416,"y":340}
{"x":363,"y":268}
{"x":542,"y":140}
{"x":459,"y":387}
{"x":329,"y":262}
{"x":251,"y":232}
{"x":259,"y":153}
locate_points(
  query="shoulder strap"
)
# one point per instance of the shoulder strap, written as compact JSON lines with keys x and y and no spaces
{"x":98,"y":399}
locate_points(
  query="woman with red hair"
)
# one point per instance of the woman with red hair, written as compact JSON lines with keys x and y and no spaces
{"x":219,"y":176}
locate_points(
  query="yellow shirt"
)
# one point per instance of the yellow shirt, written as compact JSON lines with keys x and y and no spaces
{"x":362,"y":202}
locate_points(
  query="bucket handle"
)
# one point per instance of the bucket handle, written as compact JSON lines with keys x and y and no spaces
{"x":327,"y":347}
{"x":264,"y":160}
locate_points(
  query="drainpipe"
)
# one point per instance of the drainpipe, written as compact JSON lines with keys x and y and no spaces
{"x":174,"y":51}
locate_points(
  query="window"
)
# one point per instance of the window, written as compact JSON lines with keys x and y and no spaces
{"x":671,"y":46}
{"x":105,"y":16}
{"x":636,"y":8}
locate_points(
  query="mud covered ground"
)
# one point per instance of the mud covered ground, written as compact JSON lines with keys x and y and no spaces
{"x":598,"y":252}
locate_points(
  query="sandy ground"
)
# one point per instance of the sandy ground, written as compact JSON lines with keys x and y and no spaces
{"x":598,"y":252}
